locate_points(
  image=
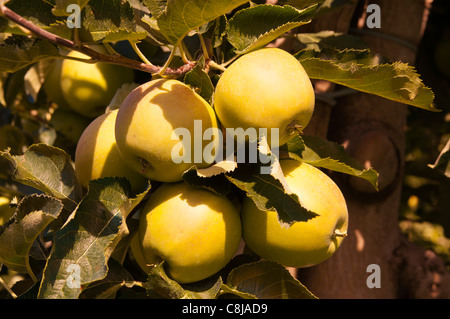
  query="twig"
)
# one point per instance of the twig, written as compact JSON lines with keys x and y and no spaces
{"x":95,"y":56}
{"x":9,"y":290}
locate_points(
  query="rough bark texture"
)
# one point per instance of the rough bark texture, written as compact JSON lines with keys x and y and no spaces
{"x":372,"y":130}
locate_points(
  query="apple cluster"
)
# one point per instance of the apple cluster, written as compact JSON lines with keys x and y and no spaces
{"x":194,"y":231}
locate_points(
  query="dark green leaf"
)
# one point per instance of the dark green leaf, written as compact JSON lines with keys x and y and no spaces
{"x":159,"y":285}
{"x":322,"y":153}
{"x":267,"y":280}
{"x":82,"y":247}
{"x":34,"y":213}
{"x":14,"y":57}
{"x":48,"y":169}
{"x":200,"y":81}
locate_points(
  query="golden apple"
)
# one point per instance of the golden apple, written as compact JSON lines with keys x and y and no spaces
{"x":265,"y":89}
{"x":304,"y":243}
{"x":147,"y":125}
{"x":196,"y":232}
{"x":97,"y":155}
{"x":70,"y":124}
{"x":52,"y":85}
{"x":6,"y":212}
{"x":89,"y":87}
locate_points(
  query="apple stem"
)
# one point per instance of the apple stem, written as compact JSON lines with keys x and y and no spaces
{"x":293,"y":127}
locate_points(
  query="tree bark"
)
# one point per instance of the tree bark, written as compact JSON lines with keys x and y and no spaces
{"x":372,"y":130}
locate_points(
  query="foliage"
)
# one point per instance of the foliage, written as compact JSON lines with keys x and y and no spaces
{"x":58,"y":224}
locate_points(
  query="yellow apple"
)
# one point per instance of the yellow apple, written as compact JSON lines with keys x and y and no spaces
{"x":146,"y":124}
{"x":89,"y":87}
{"x":52,"y":85}
{"x":265,"y":89}
{"x":97,"y":155}
{"x":70,"y":124}
{"x":305,"y":243}
{"x":196,"y":232}
{"x":6,"y":212}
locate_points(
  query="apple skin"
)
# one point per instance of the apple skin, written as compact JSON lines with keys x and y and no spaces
{"x":6,"y":212}
{"x":266,"y":88}
{"x":196,"y":232}
{"x":52,"y":85}
{"x":145,"y":123}
{"x":70,"y":124}
{"x":97,"y":155}
{"x":303,"y":244}
{"x":89,"y":87}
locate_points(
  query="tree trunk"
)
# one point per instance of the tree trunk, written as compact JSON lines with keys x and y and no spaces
{"x":372,"y":130}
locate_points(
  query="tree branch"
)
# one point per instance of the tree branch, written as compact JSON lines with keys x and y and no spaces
{"x":94,"y":55}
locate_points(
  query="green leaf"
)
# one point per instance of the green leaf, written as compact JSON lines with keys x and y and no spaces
{"x":200,"y":81}
{"x":39,"y":12}
{"x":265,"y":184}
{"x":48,"y":169}
{"x":212,"y":178}
{"x":361,"y":70}
{"x":322,"y":153}
{"x":82,"y":247}
{"x":328,"y":39}
{"x":252,"y":28}
{"x":14,"y":57}
{"x":159,"y":285}
{"x":267,"y":280}
{"x":106,"y":288}
{"x":179,"y":16}
{"x":111,"y":21}
{"x":34,"y":213}
{"x":60,"y":8}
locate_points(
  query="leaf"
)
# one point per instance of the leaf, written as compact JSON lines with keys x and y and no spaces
{"x":322,"y":153}
{"x":252,"y":28}
{"x":60,"y":8}
{"x":361,"y":70}
{"x":200,"y":81}
{"x":211,"y":178}
{"x":39,"y":12}
{"x":106,"y":288}
{"x":267,"y":280}
{"x":34,"y":213}
{"x":14,"y":57}
{"x":111,"y":21}
{"x":328,"y":39}
{"x":265,"y":184}
{"x":82,"y":247}
{"x":180,"y":16}
{"x":48,"y":169}
{"x":159,"y":285}
{"x":442,"y":163}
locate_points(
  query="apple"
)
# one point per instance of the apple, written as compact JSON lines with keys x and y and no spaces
{"x":195,"y":231}
{"x":304,"y":243}
{"x":6,"y":212}
{"x":145,"y":126}
{"x":70,"y":124}
{"x":89,"y":87}
{"x":52,"y":85}
{"x":97,"y":155}
{"x":265,"y":89}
